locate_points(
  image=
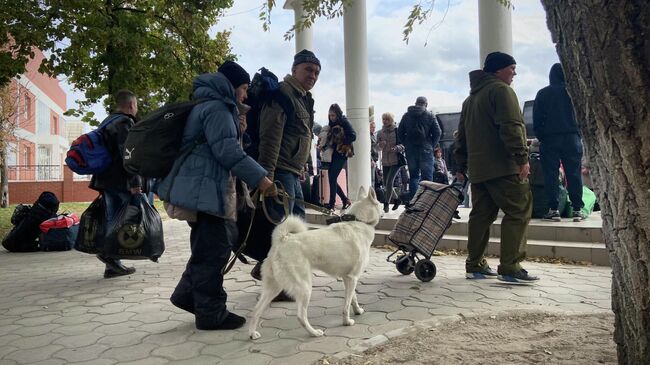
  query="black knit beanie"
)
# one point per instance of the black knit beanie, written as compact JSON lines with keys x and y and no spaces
{"x":497,"y":60}
{"x":305,"y":56}
{"x":235,"y":74}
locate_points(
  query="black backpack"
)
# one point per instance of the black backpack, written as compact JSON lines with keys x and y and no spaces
{"x":153,"y":144}
{"x":264,"y":89}
{"x":24,"y":236}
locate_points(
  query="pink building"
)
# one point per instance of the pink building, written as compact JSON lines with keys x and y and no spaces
{"x":38,"y":151}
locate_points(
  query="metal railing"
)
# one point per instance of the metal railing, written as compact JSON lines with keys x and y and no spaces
{"x":36,"y":173}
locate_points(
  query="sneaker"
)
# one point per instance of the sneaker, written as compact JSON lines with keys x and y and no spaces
{"x":484,"y":273}
{"x":578,"y":216}
{"x":552,"y":215}
{"x":520,"y":276}
{"x":346,"y":204}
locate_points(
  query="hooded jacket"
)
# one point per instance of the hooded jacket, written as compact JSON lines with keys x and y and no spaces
{"x":553,"y":110}
{"x":419,"y":127}
{"x":204,"y":181}
{"x":491,"y":139}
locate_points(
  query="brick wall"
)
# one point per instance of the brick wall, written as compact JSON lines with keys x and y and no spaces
{"x":67,"y":190}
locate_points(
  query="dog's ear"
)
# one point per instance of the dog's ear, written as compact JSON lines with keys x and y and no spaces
{"x":372,"y":195}
{"x":362,"y":193}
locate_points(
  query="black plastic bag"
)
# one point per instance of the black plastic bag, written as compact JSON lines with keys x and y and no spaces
{"x":92,"y":228}
{"x":136,"y":233}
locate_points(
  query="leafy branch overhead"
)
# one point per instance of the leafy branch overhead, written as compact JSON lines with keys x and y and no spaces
{"x":329,"y":9}
{"x":152,"y":47}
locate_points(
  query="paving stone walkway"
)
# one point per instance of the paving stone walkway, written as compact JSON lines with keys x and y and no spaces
{"x":55,"y":308}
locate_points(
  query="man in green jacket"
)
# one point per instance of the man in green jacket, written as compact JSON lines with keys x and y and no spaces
{"x":491,"y":147}
{"x":285,"y":140}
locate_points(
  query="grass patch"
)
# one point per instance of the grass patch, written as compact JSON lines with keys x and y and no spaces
{"x":76,"y":208}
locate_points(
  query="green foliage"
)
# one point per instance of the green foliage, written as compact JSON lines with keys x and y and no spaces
{"x":312,"y":8}
{"x":151,"y":47}
{"x":335,"y":8}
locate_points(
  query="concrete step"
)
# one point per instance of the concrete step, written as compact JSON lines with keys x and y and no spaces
{"x":588,"y":231}
{"x":579,"y":241}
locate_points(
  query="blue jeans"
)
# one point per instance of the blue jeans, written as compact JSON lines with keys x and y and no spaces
{"x":291,"y":184}
{"x":568,"y":149}
{"x":421,"y":166}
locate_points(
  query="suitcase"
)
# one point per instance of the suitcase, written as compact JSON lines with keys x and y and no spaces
{"x":324,"y":187}
{"x":421,"y":226}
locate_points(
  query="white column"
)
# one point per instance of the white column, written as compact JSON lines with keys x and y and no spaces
{"x":495,"y":28}
{"x":356,"y":93}
{"x":304,"y":38}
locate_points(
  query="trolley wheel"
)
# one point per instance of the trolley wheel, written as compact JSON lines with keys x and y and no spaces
{"x":404,"y":264}
{"x":425,"y":270}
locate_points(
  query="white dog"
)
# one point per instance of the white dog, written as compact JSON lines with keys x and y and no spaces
{"x":340,"y":249}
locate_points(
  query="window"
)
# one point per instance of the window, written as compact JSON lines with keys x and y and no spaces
{"x":54,"y":127}
{"x":27,"y":112}
{"x":43,"y":115}
{"x":27,"y":156}
{"x":12,"y":155}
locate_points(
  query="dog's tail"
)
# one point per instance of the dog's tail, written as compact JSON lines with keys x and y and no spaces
{"x":293,"y":224}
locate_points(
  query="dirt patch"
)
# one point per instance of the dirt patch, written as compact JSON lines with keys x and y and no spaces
{"x":522,"y":338}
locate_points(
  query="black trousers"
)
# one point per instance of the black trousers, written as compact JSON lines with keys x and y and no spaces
{"x":201,"y":285}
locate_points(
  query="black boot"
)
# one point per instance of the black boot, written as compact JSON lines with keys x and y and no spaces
{"x":385,"y":207}
{"x":231,"y":322}
{"x":256,"y":273}
{"x":397,"y":203}
{"x":115,"y":268}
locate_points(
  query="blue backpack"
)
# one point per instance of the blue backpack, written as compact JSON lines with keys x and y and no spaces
{"x":88,"y":154}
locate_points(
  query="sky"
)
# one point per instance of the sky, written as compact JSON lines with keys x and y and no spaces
{"x":435,"y":63}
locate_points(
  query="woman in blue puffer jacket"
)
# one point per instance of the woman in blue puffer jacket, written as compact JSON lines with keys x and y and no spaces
{"x":205,"y":183}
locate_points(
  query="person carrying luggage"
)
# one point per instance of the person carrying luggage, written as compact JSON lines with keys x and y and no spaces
{"x":340,"y":136}
{"x":205,"y":183}
{"x":116,"y":184}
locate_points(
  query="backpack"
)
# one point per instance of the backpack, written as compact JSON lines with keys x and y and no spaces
{"x":20,"y":212}
{"x":264,"y":89}
{"x":153,"y":144}
{"x":88,"y":154}
{"x":24,"y":236}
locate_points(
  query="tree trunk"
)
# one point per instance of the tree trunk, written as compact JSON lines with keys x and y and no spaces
{"x":604,"y":47}
{"x":4,"y":179}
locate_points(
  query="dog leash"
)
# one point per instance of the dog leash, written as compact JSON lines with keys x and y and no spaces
{"x":258,"y":197}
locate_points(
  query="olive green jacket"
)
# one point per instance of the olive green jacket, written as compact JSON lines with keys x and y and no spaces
{"x":491,"y":138}
{"x":285,"y":143}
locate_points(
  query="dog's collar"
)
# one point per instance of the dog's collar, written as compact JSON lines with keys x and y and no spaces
{"x":344,"y":218}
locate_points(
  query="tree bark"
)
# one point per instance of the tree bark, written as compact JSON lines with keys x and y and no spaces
{"x":604,"y":47}
{"x":4,"y":178}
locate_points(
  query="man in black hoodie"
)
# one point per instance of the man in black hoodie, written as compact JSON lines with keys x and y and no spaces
{"x":556,"y":129}
{"x":115,"y":184}
{"x":419,"y":132}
